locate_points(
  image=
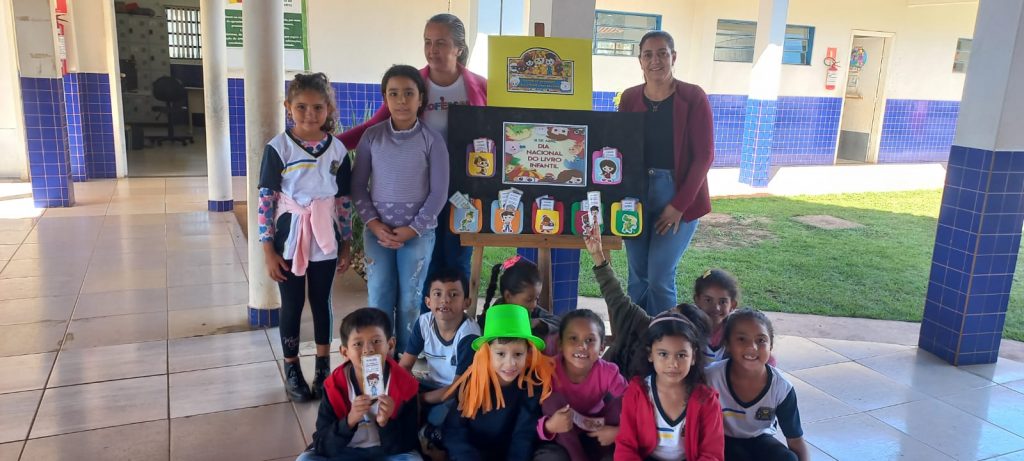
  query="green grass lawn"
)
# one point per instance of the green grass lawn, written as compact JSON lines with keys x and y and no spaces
{"x":877,"y":271}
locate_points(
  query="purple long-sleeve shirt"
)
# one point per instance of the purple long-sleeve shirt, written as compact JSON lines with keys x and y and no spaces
{"x":400,"y":177}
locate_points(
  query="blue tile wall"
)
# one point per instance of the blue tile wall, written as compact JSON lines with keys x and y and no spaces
{"x":356,"y":102}
{"x":728,"y":112}
{"x":565,"y":274}
{"x":806,"y":130}
{"x":46,"y":132}
{"x":236,"y":125}
{"x":758,"y":137}
{"x":976,"y":245}
{"x":97,"y":125}
{"x":917,"y":130}
{"x":264,"y":318}
{"x":73,"y":113}
{"x":604,"y":101}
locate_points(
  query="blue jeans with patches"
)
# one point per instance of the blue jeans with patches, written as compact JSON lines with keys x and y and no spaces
{"x":653,"y":258}
{"x":395,"y":280}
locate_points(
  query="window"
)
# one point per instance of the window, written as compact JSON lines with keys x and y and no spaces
{"x":183,"y":33}
{"x":734,"y":42}
{"x":619,"y":34}
{"x":962,"y":55}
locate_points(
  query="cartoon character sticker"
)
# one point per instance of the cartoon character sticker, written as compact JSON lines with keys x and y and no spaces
{"x":607,"y":167}
{"x":540,"y":71}
{"x":481,"y":164}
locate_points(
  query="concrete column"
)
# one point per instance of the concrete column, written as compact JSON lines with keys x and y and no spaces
{"x":263,"y":42}
{"x":762,"y":99}
{"x":563,"y":18}
{"x":979,"y":229}
{"x":42,"y":98}
{"x":215,"y":92}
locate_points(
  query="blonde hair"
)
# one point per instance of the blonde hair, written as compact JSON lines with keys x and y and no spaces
{"x":475,"y":385}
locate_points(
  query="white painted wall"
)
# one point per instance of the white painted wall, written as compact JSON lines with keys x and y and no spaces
{"x":357,"y":40}
{"x":925,"y":40}
{"x":91,"y":39}
{"x":13,"y":160}
{"x":859,"y":112}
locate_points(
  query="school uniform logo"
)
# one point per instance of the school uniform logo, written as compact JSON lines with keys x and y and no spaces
{"x":765,"y":414}
{"x":334,"y":167}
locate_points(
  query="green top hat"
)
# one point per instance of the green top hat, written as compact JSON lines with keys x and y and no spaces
{"x":507,"y":321}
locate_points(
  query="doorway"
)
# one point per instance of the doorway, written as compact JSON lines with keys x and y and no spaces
{"x":864,"y":101}
{"x":162,"y":87}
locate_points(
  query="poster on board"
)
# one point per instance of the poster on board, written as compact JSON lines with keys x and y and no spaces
{"x":296,"y":53}
{"x":539,"y":72}
{"x":544,"y":153}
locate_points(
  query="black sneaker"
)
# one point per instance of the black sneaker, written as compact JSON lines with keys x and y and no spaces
{"x":295,"y":383}
{"x":323,"y":369}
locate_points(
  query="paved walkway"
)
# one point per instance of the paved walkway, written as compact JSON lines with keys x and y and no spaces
{"x":123,"y":336}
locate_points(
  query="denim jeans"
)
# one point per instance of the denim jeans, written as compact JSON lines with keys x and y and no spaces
{"x":653,"y":258}
{"x":395,"y":280}
{"x":410,"y":456}
{"x":448,"y":253}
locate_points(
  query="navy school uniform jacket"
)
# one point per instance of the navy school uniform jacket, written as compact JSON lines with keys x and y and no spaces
{"x":509,"y":433}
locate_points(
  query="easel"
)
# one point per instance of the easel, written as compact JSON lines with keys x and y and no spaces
{"x":543,"y":244}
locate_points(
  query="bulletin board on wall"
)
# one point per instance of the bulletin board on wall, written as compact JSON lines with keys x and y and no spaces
{"x":556,"y":159}
{"x":296,"y":51}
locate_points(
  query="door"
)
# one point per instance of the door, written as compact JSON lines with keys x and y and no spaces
{"x":864,"y":100}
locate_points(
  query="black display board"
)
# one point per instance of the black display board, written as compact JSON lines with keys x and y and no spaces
{"x":620,"y":130}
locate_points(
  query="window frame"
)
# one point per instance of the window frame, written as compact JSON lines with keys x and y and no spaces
{"x":634,"y":44}
{"x":184,"y":33}
{"x":806,"y":54}
{"x":962,"y":57}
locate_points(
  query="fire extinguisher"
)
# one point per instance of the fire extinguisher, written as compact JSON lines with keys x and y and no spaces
{"x":832,"y":73}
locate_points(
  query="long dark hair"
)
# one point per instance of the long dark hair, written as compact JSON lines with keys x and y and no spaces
{"x":319,"y":83}
{"x":671,"y":324}
{"x":458,"y":31}
{"x":521,"y":275}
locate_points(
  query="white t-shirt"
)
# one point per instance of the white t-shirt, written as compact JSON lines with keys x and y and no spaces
{"x":670,"y":433}
{"x":439,"y":99}
{"x":443,"y":357}
{"x":775,"y":408}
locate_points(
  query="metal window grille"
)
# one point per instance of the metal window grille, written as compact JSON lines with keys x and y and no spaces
{"x":183,"y":37}
{"x":619,"y":34}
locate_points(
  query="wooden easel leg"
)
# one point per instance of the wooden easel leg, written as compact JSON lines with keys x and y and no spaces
{"x":544,"y":265}
{"x":474,"y":279}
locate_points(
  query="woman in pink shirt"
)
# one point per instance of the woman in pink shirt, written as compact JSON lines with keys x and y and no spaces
{"x":582,"y":413}
{"x":449,"y":83}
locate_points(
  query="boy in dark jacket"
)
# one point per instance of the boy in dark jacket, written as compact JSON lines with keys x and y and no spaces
{"x":352,"y":425}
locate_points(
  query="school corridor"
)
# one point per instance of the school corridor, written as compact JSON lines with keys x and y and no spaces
{"x":124,"y":336}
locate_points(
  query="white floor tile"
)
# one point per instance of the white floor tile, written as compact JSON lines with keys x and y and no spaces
{"x":950,"y":430}
{"x":861,"y":437}
{"x":858,"y":386}
{"x":924,"y":372}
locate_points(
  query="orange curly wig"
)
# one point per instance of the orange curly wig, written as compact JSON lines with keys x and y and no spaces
{"x":475,"y":385}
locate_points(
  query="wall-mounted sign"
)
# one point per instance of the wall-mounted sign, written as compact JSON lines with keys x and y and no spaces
{"x":539,"y":72}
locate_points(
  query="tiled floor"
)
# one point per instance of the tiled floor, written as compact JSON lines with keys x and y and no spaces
{"x":123,"y":337}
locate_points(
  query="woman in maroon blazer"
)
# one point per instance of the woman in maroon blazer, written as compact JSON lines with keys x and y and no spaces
{"x":678,"y":151}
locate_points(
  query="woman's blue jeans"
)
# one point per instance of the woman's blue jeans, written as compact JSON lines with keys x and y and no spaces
{"x":653,"y":258}
{"x":395,"y":280}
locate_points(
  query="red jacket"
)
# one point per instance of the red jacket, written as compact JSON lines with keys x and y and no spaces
{"x":401,"y":388}
{"x":694,"y":143}
{"x":476,"y":90}
{"x":704,"y":439}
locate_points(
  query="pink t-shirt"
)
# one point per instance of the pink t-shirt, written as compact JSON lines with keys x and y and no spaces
{"x":587,"y":397}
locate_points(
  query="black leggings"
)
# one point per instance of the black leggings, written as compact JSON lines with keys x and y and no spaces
{"x":761,"y":448}
{"x":293,"y":297}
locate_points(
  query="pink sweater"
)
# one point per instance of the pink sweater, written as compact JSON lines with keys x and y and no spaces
{"x":476,"y":90}
{"x":586,"y":397}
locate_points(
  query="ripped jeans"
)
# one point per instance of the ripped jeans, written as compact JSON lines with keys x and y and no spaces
{"x":395,"y":280}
